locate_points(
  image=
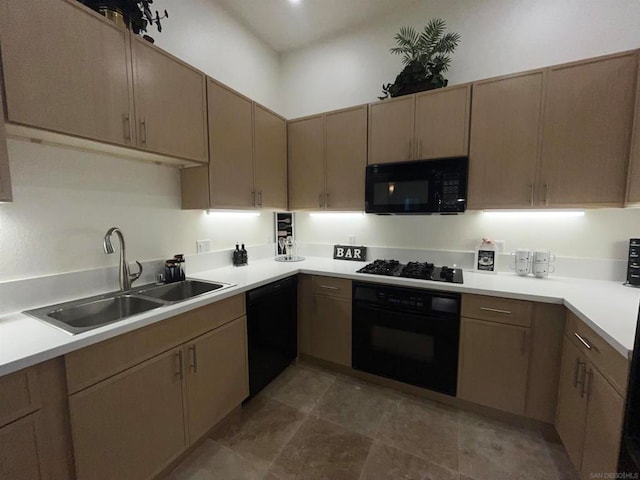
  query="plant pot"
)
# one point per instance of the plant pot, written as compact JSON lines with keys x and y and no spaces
{"x":113,"y":14}
{"x":414,"y":88}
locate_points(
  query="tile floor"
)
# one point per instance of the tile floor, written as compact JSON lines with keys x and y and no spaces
{"x":311,"y":424}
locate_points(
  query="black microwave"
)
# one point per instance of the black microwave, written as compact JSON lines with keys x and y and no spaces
{"x":418,"y":187}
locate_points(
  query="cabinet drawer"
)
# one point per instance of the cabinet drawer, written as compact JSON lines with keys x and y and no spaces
{"x":95,"y":363}
{"x":19,"y":395}
{"x":494,"y":309}
{"x":331,"y":286}
{"x":613,"y":365}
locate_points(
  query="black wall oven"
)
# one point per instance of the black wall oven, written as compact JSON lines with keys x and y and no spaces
{"x":405,"y":334}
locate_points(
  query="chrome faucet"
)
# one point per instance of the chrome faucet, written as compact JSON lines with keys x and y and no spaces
{"x":126,"y":277}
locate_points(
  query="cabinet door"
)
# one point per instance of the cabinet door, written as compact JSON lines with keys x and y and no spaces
{"x":306,"y":163}
{"x":587,"y":131}
{"x":270,"y":159}
{"x":5,"y":177}
{"x":217,"y":379}
{"x":494,"y":361}
{"x":346,"y":158}
{"x":391,"y":130}
{"x":603,"y":428}
{"x":505,"y":141}
{"x":66,"y":69}
{"x":572,"y":406}
{"x":442,"y":123}
{"x":633,"y":180}
{"x":130,"y":426}
{"x":19,"y":457}
{"x":231,"y":147}
{"x":331,"y":330}
{"x":171,"y":116}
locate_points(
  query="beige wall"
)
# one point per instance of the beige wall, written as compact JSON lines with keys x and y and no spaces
{"x":601,"y":233}
{"x":498,"y":37}
{"x":65,"y":200}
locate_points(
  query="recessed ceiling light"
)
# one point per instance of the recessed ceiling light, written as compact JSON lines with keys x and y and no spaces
{"x":294,"y":1}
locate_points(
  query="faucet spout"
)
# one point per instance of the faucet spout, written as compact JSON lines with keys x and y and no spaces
{"x":126,"y":277}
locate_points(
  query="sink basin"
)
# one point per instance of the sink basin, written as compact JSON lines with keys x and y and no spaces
{"x":179,"y":291}
{"x":82,"y":315}
{"x":87,"y":313}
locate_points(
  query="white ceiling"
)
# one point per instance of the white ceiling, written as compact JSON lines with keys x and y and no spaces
{"x":286,"y":26}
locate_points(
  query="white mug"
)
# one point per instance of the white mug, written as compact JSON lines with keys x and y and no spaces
{"x":543,"y":256}
{"x":542,"y":270}
{"x":522,"y":263}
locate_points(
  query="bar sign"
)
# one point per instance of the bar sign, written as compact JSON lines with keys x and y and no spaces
{"x":350,"y":252}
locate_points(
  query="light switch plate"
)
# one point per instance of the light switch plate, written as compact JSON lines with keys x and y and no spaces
{"x":500,"y":245}
{"x":203,"y":246}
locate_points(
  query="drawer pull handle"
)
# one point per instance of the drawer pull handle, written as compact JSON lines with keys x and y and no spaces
{"x":576,"y":373}
{"x":585,"y":342}
{"x":329,"y":287}
{"x":496,"y":310}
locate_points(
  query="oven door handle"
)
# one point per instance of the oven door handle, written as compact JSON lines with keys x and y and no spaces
{"x":400,"y":311}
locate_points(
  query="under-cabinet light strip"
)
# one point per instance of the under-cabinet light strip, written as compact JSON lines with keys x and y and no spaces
{"x":528,"y":214}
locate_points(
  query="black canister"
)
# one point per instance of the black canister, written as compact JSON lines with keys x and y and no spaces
{"x":633,"y":265}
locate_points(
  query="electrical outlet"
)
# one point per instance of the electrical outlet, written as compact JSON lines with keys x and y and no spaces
{"x":203,"y":246}
{"x":500,"y":245}
{"x":351,"y":239}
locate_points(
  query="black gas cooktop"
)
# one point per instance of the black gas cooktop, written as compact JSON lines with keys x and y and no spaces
{"x":419,"y":270}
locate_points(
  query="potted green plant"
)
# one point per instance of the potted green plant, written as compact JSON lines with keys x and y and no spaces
{"x":426,"y":57}
{"x":134,"y":14}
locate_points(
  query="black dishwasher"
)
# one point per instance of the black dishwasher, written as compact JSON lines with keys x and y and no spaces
{"x":272,"y":331}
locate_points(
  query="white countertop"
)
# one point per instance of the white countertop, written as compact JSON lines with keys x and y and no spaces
{"x":608,"y":307}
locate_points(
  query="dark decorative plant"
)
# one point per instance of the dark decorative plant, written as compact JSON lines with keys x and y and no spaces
{"x":137,"y":13}
{"x":426,"y":57}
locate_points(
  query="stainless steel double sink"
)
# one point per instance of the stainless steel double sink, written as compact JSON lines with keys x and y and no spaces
{"x":85,"y":314}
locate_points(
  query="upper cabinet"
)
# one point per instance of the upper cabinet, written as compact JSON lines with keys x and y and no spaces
{"x":270,"y":158}
{"x":231,"y":146}
{"x":305,"y":138}
{"x":5,"y":177}
{"x":78,"y":76}
{"x":633,"y":179}
{"x":248,"y":156}
{"x":67,"y":70}
{"x":557,"y":137}
{"x":586,"y":134}
{"x":433,"y":124}
{"x":170,"y":103}
{"x":327,"y":159}
{"x":505,"y":141}
{"x":391,"y":130}
{"x":442,"y":123}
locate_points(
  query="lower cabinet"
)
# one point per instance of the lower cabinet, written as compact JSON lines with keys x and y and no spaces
{"x":130,"y":426}
{"x":590,"y":414}
{"x":510,"y":355}
{"x":35,"y":441}
{"x":324,"y":318}
{"x":19,"y":456}
{"x":217,"y":380}
{"x":494,"y":364}
{"x":133,"y":424}
{"x":331,"y":329}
